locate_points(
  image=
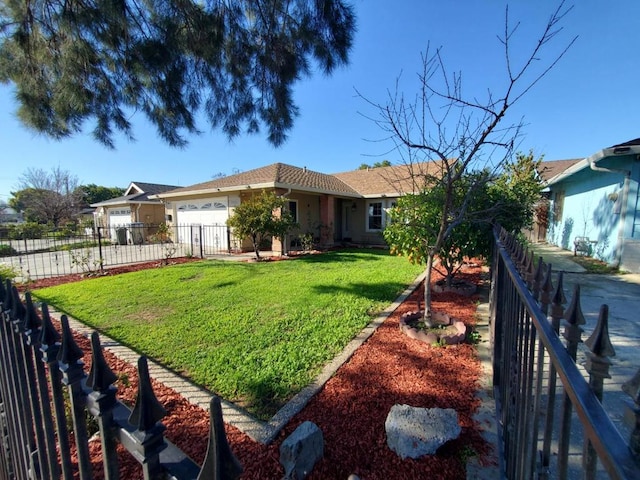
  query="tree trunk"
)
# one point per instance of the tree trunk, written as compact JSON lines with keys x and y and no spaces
{"x":256,"y":247}
{"x":427,"y":292}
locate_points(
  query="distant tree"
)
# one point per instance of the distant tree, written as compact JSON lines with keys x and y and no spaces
{"x":519,"y":191}
{"x":365,"y":166}
{"x":262,"y":216}
{"x":464,"y":133}
{"x":235,"y":62}
{"x":93,"y":193}
{"x":47,"y":196}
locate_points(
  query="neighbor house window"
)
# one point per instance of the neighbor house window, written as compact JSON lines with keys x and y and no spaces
{"x":293,"y":209}
{"x":374,"y":216}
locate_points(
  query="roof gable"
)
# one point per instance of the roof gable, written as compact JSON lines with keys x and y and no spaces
{"x":137,"y":192}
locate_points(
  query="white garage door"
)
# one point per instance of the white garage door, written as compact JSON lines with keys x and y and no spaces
{"x":204,"y":213}
{"x":118,"y":217}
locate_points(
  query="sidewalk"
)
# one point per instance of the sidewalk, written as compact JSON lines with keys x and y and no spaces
{"x":621,"y":292}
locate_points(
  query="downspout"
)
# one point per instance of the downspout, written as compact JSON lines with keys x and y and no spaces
{"x":285,"y":240}
{"x":593,"y":160}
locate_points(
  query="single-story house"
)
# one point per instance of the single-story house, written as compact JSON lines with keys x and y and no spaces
{"x":597,"y":200}
{"x":342,"y":208}
{"x":134,"y":207}
{"x":9,"y":215}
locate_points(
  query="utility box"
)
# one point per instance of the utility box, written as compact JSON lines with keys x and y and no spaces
{"x":121,"y":235}
{"x":136,"y":230}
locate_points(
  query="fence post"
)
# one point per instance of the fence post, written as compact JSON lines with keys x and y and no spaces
{"x":27,"y":325}
{"x":149,"y":434}
{"x":18,"y":365}
{"x":542,"y":288}
{"x":72,"y":368}
{"x":201,"y":241}
{"x":50,"y":347}
{"x":632,"y":388}
{"x":572,"y":333}
{"x":33,"y":327}
{"x":101,"y":402}
{"x":100,"y":249}
{"x":597,"y":365}
{"x":219,"y":462}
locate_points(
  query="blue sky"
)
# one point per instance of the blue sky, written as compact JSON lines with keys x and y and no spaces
{"x":588,"y":102}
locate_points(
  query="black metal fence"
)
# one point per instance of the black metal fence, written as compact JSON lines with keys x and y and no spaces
{"x":41,"y":253}
{"x":547,"y":409}
{"x":44,"y":388}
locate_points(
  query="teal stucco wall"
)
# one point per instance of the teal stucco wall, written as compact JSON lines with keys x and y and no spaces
{"x":592,"y":204}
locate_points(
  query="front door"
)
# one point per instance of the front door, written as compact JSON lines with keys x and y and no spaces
{"x":346,"y":221}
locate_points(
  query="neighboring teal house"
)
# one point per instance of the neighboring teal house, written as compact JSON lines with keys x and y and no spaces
{"x":598,"y":198}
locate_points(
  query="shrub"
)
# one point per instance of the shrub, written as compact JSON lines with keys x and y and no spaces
{"x":7,"y":250}
{"x":29,"y":230}
{"x":7,"y":272}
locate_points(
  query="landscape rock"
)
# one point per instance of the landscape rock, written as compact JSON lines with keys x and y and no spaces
{"x":301,"y":450}
{"x":413,"y":432}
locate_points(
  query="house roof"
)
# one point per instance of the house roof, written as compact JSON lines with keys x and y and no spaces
{"x":137,"y":192}
{"x":550,"y":169}
{"x":390,"y":181}
{"x":150,"y":188}
{"x":630,"y":143}
{"x":627,"y":148}
{"x":276,"y":175}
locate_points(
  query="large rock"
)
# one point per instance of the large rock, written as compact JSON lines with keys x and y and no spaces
{"x":301,"y":450}
{"x":413,"y":432}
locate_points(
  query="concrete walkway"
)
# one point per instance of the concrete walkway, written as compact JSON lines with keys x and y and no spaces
{"x":621,"y":292}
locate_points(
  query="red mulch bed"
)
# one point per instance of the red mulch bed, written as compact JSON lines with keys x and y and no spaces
{"x":351,"y":409}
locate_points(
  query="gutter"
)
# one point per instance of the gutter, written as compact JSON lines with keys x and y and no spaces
{"x":593,"y":165}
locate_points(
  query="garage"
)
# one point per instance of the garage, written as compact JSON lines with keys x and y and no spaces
{"x":210,"y":214}
{"x":118,"y":217}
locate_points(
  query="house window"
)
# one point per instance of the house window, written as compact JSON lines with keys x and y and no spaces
{"x":374,"y":216}
{"x":292,"y":207}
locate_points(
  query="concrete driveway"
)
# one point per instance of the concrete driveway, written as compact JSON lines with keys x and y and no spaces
{"x":622,"y":294}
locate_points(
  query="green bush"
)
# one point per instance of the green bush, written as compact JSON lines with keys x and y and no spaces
{"x":29,"y":230}
{"x":7,"y":272}
{"x":7,"y":250}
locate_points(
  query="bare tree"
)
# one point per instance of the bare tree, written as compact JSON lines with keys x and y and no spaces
{"x":462,"y":133}
{"x":48,"y":196}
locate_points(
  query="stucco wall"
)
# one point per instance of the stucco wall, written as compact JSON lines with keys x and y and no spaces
{"x":590,"y":204}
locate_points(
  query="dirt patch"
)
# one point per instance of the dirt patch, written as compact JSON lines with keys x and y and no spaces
{"x":388,"y":369}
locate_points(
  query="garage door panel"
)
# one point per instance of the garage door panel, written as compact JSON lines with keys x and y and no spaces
{"x":202,"y":213}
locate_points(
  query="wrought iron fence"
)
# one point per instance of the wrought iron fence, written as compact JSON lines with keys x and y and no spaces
{"x":41,"y":253}
{"x":44,"y":388}
{"x":546,"y":407}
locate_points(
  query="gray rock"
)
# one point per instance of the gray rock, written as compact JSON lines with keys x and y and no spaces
{"x":301,"y":450}
{"x":413,"y":432}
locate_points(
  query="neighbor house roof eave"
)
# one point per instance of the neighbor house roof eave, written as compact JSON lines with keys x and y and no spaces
{"x":581,"y":165}
{"x":129,"y":202}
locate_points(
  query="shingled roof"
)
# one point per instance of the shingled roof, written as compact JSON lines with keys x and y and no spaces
{"x":389,"y":181}
{"x":137,"y":192}
{"x":276,"y":175}
{"x":550,"y":169}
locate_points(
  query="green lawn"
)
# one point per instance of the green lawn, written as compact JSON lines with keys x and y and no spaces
{"x":255,"y":333}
